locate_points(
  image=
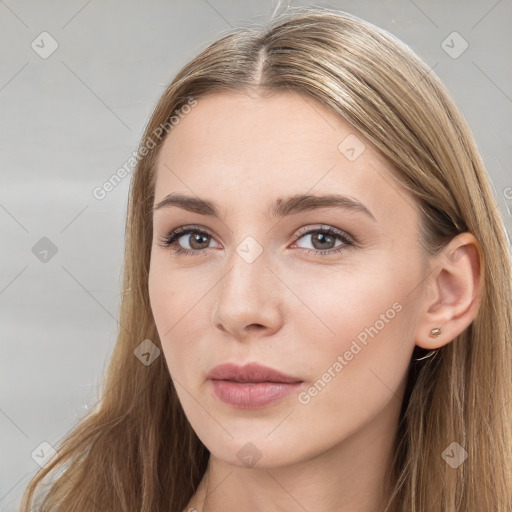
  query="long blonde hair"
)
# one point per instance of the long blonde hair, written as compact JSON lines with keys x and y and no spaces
{"x":136,"y":452}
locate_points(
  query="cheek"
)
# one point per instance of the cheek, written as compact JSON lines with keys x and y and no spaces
{"x":355,"y":349}
{"x":359,"y":316}
{"x":179,"y":314}
{"x":171,"y":296}
{"x":165,"y":308}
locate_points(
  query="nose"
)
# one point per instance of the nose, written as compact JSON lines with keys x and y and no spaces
{"x":248,"y":301}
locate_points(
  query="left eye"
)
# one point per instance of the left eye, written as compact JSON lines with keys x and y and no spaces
{"x":324,"y":238}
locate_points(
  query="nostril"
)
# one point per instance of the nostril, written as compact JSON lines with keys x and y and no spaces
{"x":255,"y":326}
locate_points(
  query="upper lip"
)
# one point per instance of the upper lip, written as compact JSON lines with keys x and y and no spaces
{"x":250,"y":372}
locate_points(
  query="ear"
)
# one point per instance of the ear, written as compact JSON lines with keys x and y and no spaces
{"x":452,"y":294}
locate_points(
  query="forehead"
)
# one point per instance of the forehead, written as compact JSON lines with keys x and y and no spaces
{"x":241,"y":149}
{"x":285,"y":126}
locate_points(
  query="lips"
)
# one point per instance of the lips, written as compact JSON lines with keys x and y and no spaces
{"x":251,"y":372}
{"x":251,"y":386}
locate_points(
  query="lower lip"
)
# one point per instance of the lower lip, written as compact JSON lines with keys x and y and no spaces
{"x":252,"y":395}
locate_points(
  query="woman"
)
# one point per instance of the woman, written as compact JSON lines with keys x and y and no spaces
{"x":317,"y":306}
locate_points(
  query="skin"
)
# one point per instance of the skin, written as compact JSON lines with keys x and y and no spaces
{"x":294,"y":310}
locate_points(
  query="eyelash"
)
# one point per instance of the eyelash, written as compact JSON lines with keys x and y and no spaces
{"x":349,"y":242}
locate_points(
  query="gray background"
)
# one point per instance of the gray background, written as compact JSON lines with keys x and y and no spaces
{"x":70,"y":120}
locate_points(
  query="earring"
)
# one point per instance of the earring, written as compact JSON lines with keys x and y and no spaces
{"x":434,"y":333}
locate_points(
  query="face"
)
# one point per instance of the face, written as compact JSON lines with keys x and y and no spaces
{"x":325,"y":294}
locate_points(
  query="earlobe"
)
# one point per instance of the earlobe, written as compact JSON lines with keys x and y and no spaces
{"x":454,"y":289}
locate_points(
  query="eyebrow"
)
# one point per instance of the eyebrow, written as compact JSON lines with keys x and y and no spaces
{"x":280,"y":208}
